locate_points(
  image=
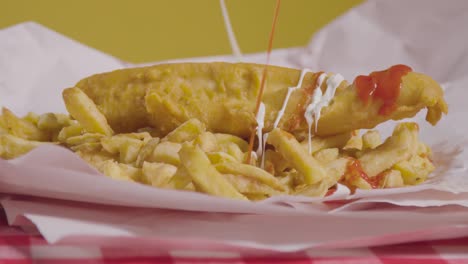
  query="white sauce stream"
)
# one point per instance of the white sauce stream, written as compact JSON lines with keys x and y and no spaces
{"x":286,"y":99}
{"x":232,"y":38}
{"x":319,"y":101}
{"x":312,"y":112}
{"x":260,"y":124}
{"x":262,"y":141}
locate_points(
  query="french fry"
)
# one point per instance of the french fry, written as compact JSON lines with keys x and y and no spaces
{"x":253,"y":158}
{"x":220,"y":157}
{"x":207,"y":142}
{"x":292,"y":151}
{"x":335,"y":170}
{"x":224,"y":139}
{"x":353,"y":180}
{"x":234,"y":151}
{"x":187,"y":131}
{"x":423,"y":150}
{"x":371,"y":139}
{"x":69,"y":131}
{"x":13,"y":146}
{"x":355,"y":142}
{"x":146,"y":151}
{"x":294,"y":176}
{"x":204,"y":176}
{"x":95,"y":157}
{"x":53,"y":122}
{"x":85,"y":138}
{"x":414,"y":170}
{"x":269,"y":167}
{"x":251,"y":172}
{"x":157,"y":174}
{"x":181,"y":180}
{"x":280,"y":164}
{"x":246,"y":185}
{"x":115,"y":143}
{"x":22,"y":128}
{"x":287,"y":180}
{"x":3,"y":126}
{"x":87,"y":147}
{"x":127,"y":145}
{"x":83,"y":109}
{"x":392,"y":179}
{"x":255,"y":196}
{"x":319,"y":143}
{"x":166,"y":152}
{"x":398,"y":147}
{"x":31,"y":117}
{"x":143,"y":136}
{"x":190,"y":187}
{"x":312,"y":190}
{"x":119,"y":171}
{"x":327,"y":155}
{"x":150,"y":130}
{"x":129,"y":151}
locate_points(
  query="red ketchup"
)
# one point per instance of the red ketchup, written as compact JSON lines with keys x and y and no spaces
{"x":383,"y":85}
{"x":354,"y":171}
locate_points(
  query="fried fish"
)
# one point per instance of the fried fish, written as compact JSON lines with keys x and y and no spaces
{"x":223,"y":96}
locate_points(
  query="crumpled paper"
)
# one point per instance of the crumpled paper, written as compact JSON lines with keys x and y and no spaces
{"x":37,"y":63}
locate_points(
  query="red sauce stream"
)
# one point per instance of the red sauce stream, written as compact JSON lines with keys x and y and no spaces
{"x":262,"y":84}
{"x":383,"y":85}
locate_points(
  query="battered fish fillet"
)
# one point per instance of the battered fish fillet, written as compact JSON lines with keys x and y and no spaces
{"x":223,"y":96}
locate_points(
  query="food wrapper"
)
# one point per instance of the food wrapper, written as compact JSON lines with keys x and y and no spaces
{"x":37,"y":63}
{"x":168,"y":230}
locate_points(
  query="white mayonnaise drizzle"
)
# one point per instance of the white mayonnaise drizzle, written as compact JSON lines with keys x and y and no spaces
{"x":312,"y":112}
{"x":286,"y":99}
{"x":260,"y":124}
{"x":319,"y":100}
{"x":232,"y":38}
{"x":262,"y":142}
{"x":254,"y":155}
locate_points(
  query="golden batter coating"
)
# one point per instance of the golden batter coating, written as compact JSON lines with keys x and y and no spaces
{"x":223,"y":95}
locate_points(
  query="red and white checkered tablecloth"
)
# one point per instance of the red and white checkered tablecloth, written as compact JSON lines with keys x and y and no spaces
{"x":20,"y":247}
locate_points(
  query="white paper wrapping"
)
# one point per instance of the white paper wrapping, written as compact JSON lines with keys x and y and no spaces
{"x":68,"y":222}
{"x":36,"y":64}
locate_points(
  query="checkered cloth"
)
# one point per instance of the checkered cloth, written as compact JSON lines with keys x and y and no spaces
{"x":20,"y":247}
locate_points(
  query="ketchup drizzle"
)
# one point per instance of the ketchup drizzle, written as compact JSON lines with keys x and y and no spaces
{"x":262,"y":84}
{"x":383,"y":85}
{"x":355,"y":171}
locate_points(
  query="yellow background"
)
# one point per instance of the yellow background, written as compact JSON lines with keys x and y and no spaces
{"x":151,"y":30}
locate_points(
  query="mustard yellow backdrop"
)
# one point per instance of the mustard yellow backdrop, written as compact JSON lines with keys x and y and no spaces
{"x":150,"y":30}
